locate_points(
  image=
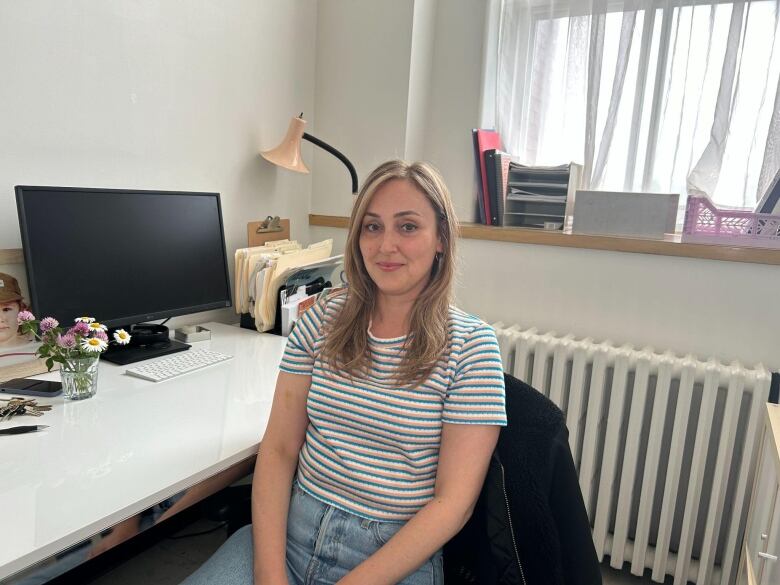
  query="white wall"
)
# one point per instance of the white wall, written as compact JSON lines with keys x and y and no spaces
{"x":420,"y":77}
{"x":710,"y":308}
{"x":363,"y":52}
{"x":454,"y":106}
{"x":156,"y":95}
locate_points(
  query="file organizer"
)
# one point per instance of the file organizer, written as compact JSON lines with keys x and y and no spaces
{"x":330,"y":270}
{"x":317,"y":278}
{"x":262,"y":272}
{"x":538,"y":195}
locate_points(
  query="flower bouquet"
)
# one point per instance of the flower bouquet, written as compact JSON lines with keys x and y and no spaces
{"x":76,"y":349}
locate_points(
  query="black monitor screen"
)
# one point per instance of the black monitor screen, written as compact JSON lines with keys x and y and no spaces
{"x":122,"y":256}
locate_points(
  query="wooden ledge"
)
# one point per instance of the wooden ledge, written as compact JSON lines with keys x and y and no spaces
{"x":669,"y":247}
{"x":11,"y":256}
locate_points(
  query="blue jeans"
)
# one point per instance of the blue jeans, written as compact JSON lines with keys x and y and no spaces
{"x":323,"y":545}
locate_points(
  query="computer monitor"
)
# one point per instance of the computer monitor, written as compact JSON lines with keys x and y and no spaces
{"x":123,"y":256}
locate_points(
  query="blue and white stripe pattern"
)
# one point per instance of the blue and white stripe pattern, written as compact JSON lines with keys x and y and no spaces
{"x":371,"y":447}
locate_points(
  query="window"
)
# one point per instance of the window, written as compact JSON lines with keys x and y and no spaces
{"x":667,"y":96}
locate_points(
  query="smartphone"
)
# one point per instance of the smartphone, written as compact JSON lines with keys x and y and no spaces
{"x":31,"y":387}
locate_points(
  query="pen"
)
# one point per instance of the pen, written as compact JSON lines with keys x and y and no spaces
{"x":24,"y":429}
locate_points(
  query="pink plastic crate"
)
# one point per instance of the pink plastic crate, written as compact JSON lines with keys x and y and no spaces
{"x":706,"y":224}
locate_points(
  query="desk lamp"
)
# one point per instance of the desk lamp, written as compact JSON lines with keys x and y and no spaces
{"x":288,"y":153}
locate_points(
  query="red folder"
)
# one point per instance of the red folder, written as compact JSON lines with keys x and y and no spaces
{"x":486,"y":140}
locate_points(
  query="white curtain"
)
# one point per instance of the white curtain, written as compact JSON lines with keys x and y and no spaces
{"x":665,"y":96}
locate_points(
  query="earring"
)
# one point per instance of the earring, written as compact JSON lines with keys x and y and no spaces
{"x":436,"y":266}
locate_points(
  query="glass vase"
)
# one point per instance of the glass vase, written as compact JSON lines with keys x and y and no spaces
{"x":79,"y":377}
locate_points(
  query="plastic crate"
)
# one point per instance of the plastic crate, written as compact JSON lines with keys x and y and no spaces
{"x":706,"y":224}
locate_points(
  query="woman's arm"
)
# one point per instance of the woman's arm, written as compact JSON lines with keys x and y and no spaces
{"x":276,"y":463}
{"x":464,"y":457}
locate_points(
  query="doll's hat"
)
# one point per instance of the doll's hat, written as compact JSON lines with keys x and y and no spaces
{"x":9,"y":289}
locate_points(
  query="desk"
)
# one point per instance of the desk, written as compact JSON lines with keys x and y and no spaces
{"x":132,"y":445}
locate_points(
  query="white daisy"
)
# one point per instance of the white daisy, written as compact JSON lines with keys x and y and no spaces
{"x":122,"y":337}
{"x":94,"y":326}
{"x":84,"y":319}
{"x":93,"y":344}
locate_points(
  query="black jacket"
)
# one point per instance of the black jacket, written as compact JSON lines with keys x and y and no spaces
{"x":530,"y":526}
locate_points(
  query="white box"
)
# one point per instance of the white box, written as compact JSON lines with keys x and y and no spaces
{"x":192,"y":333}
{"x":616,"y":213}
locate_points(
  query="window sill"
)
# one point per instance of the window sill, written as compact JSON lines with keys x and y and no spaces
{"x":669,"y":247}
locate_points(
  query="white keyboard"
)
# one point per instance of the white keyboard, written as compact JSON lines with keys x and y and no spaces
{"x":178,"y":364}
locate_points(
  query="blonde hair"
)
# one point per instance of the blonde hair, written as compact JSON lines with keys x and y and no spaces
{"x":346,"y":344}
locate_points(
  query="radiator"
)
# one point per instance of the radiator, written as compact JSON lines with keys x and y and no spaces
{"x":665,"y":448}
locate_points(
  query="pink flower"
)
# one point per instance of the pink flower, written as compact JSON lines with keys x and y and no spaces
{"x":79,"y":329}
{"x":48,"y":324}
{"x":24,"y":316}
{"x":67,"y":341}
{"x":102,"y":335}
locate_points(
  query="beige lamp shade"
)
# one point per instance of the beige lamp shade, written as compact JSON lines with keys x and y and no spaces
{"x":288,"y":153}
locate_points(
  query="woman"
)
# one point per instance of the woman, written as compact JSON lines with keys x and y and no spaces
{"x":386,"y":410}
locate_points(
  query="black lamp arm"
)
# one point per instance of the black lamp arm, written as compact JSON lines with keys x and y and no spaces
{"x":338,"y":155}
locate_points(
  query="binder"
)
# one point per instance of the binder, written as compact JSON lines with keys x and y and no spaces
{"x":486,"y":140}
{"x":497,"y":169}
{"x":490,"y":178}
{"x":478,"y":173}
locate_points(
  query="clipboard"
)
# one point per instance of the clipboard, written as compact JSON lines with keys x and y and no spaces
{"x":268,"y":230}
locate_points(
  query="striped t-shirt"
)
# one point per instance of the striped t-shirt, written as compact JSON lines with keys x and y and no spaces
{"x":372,"y":447}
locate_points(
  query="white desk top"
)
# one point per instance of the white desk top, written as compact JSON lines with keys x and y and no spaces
{"x":133,"y":444}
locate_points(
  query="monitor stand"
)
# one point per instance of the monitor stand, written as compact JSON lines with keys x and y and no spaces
{"x":136,"y":352}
